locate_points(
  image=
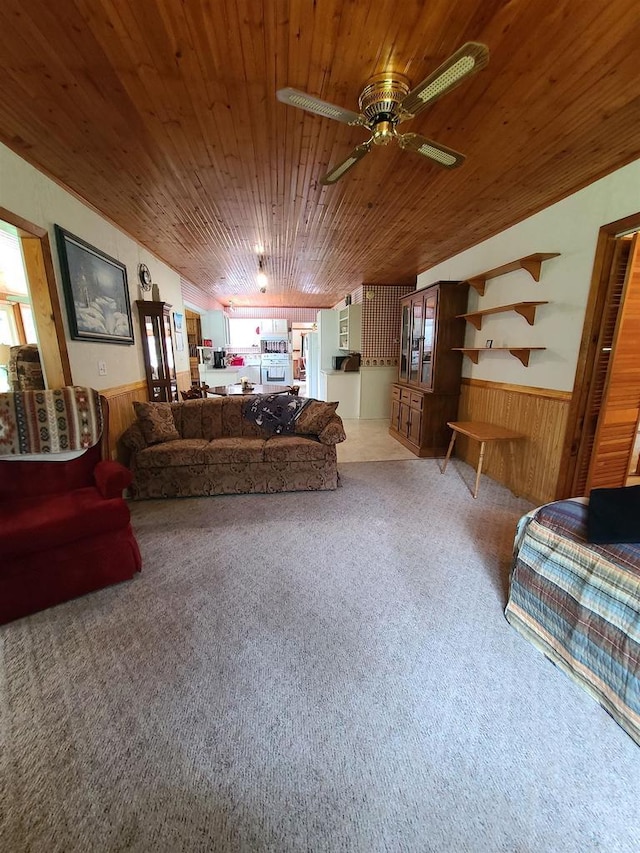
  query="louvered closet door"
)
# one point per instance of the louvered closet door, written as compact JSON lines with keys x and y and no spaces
{"x":618,"y":373}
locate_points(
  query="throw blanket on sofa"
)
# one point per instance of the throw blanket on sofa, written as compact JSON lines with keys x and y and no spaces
{"x":276,"y":413}
{"x":52,"y":421}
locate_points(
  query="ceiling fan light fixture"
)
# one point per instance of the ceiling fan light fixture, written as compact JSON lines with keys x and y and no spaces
{"x":381,"y":96}
{"x":437,"y":155}
{"x":384,"y":132}
{"x":308,"y":104}
{"x":386,"y":101}
{"x":457,"y":71}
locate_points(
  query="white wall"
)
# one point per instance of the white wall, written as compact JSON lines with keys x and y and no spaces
{"x":28,"y":193}
{"x":570,"y":227}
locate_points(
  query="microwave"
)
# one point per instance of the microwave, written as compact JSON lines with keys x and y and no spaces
{"x":338,"y":361}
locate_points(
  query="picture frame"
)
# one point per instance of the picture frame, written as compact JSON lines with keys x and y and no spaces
{"x":96,"y":291}
{"x":489,"y":343}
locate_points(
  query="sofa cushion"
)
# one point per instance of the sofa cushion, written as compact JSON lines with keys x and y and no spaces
{"x":293,"y":448}
{"x":28,"y":525}
{"x":156,"y":420}
{"x":234,"y":450}
{"x":314,"y":417}
{"x":233,"y":421}
{"x":173,"y":454}
{"x":200,"y":418}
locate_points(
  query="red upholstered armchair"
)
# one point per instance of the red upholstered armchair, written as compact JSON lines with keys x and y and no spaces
{"x":64,"y":526}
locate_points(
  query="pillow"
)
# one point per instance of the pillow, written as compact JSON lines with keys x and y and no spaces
{"x":156,"y":421}
{"x":314,"y":417}
{"x":613,"y":515}
{"x":334,"y":432}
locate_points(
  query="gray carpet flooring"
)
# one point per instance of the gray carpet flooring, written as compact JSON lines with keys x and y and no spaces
{"x":308,"y":672}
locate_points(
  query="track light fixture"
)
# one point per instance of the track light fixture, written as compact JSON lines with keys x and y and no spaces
{"x":262,"y":276}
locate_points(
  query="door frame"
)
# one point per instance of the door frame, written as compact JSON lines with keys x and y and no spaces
{"x":588,"y":352}
{"x":43,"y":294}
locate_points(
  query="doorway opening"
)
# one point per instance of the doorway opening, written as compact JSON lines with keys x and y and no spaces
{"x":300,"y":349}
{"x":29,"y":296}
{"x":601,"y":442}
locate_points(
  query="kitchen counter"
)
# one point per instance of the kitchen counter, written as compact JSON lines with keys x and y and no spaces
{"x":218,"y":376}
{"x":343,"y":386}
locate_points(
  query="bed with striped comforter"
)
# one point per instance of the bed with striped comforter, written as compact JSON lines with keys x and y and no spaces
{"x":579,"y":604}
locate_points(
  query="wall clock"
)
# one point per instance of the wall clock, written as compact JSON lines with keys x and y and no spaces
{"x":145,"y":277}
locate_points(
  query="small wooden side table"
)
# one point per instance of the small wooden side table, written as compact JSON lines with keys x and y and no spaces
{"x":483,"y":433}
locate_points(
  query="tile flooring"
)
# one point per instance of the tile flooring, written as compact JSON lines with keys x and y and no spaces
{"x":369,"y":441}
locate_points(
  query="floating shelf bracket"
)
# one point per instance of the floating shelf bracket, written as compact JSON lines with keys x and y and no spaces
{"x":521,"y":353}
{"x":531,"y":263}
{"x":525,"y":309}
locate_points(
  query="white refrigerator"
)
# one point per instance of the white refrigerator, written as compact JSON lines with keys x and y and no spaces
{"x":322,"y":346}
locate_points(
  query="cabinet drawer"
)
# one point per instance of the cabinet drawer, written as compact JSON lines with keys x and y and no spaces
{"x":405,"y":395}
{"x":416,"y":400}
{"x":395,"y":394}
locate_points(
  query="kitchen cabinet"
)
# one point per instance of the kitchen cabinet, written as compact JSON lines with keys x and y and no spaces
{"x":274,"y":327}
{"x":215,"y":327}
{"x":157,"y":349}
{"x":426,"y":394}
{"x":350,"y":328}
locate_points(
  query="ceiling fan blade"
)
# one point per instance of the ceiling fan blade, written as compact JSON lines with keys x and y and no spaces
{"x":471,"y":57}
{"x":338,"y":171}
{"x":303,"y":101}
{"x":440,"y":154}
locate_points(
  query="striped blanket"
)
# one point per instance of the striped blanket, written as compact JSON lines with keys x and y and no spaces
{"x":55,"y":421}
{"x":579,"y":604}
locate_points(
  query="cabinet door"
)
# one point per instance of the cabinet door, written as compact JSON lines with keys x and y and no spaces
{"x":415,"y":341}
{"x":405,"y":334}
{"x":414,"y":425}
{"x":428,"y":339}
{"x":396,"y":410}
{"x":168,"y":347}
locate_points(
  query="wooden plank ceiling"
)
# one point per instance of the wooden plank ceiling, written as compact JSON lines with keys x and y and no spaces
{"x":163,"y":115}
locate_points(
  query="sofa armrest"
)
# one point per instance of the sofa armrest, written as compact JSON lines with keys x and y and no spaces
{"x":133,"y":438}
{"x":111,"y":478}
{"x":334,"y":432}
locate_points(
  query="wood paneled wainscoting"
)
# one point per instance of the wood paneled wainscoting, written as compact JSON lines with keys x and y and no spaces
{"x":539,"y":414}
{"x":121,"y":401}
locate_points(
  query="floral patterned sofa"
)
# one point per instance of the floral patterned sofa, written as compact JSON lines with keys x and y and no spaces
{"x":212,"y":447}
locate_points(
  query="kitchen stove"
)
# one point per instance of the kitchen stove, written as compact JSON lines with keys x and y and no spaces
{"x":276,"y":369}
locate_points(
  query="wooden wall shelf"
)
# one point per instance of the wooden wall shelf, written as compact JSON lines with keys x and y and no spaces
{"x":525,"y":309}
{"x":521,"y":353}
{"x":530,"y":263}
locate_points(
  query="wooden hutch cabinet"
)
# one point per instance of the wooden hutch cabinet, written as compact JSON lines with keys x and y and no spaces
{"x":157,"y":348}
{"x":426,"y":394}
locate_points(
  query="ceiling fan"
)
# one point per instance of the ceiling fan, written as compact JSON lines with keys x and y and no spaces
{"x":386,"y":101}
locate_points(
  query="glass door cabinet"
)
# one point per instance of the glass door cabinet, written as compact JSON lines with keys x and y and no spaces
{"x":425,"y":396}
{"x":157,"y":348}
